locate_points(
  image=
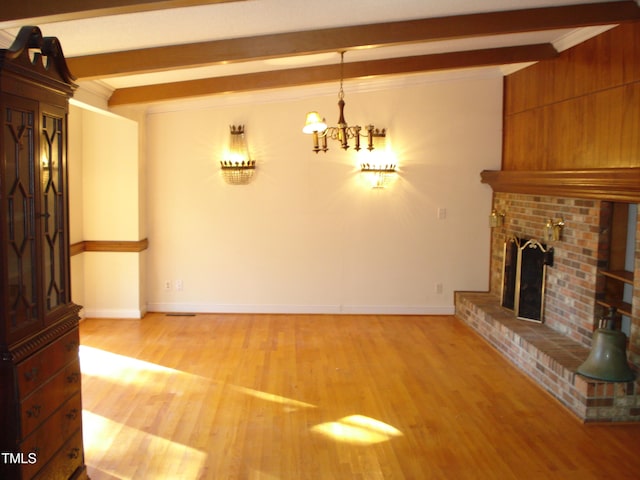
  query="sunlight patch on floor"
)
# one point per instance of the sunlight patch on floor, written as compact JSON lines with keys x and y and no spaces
{"x":357,"y":429}
{"x":107,"y":442}
{"x":120,"y":368}
{"x":289,"y":403}
{"x":258,"y":475}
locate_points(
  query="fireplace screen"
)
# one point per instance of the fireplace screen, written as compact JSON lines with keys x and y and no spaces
{"x":523,"y":278}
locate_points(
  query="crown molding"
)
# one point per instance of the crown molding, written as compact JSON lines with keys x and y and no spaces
{"x":577,"y":36}
{"x":92,"y":94}
{"x":5,"y":39}
{"x":366,"y":85}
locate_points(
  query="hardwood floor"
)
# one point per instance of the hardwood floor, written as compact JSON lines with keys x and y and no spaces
{"x":325,"y":397}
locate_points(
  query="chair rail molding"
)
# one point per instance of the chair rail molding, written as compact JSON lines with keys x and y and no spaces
{"x":109,"y":246}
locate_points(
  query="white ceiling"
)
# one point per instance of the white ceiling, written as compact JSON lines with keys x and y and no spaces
{"x":100,"y":34}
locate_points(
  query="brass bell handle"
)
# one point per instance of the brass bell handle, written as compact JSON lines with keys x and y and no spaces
{"x":73,"y":378}
{"x":74,"y":453}
{"x":34,"y":412}
{"x":31,"y":374}
{"x":73,"y":414}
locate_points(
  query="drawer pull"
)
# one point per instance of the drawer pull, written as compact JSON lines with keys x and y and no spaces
{"x":73,"y":345}
{"x":34,"y":411}
{"x":74,"y":453}
{"x":73,"y":414}
{"x":74,"y":377}
{"x":31,"y":374}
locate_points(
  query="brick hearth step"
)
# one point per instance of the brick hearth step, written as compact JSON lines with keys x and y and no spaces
{"x":550,"y":359}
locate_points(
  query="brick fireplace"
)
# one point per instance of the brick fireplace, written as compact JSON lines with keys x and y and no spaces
{"x":551,"y":352}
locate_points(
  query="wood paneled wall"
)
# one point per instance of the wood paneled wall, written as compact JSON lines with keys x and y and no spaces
{"x":580,"y":110}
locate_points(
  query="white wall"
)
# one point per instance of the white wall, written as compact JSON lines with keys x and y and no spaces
{"x":307,"y":235}
{"x":104,"y":177}
{"x":76,"y":211}
{"x":110,"y":177}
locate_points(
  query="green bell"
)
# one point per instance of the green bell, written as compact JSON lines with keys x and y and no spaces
{"x":608,"y":358}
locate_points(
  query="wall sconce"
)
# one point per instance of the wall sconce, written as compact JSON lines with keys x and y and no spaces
{"x":237,"y":168}
{"x":379,"y":176}
{"x":315,"y":125}
{"x":553,"y":229}
{"x":379,"y":167}
{"x":496,"y":219}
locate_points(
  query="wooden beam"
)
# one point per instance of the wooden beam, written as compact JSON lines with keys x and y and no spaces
{"x":45,"y":11}
{"x":329,"y":73}
{"x":345,"y":38}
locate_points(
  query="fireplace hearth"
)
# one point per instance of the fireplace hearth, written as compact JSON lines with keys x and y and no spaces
{"x":551,"y":350}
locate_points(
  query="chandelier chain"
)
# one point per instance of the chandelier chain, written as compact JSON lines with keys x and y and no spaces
{"x":341,"y":92}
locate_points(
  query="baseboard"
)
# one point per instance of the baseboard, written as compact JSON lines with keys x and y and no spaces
{"x":303,"y":309}
{"x":113,"y":313}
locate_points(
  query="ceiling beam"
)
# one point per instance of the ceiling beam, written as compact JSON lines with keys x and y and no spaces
{"x":345,"y":38}
{"x":18,"y":13}
{"x":328,"y":73}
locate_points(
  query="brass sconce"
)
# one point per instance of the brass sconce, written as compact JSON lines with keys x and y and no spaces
{"x":553,"y":229}
{"x":496,"y":219}
{"x":378,"y":168}
{"x":379,"y":176}
{"x":237,"y":168}
{"x":316,"y":126}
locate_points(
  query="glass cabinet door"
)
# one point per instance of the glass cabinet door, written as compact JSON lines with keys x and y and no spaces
{"x":53,"y":218}
{"x":19,"y":192}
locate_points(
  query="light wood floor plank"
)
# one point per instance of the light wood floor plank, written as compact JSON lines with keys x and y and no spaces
{"x":325,"y":397}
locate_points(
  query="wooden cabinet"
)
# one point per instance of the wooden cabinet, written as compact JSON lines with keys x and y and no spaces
{"x":40,"y":394}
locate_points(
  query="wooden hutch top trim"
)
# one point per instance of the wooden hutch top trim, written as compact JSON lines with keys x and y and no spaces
{"x":613,"y":184}
{"x":38,"y":59}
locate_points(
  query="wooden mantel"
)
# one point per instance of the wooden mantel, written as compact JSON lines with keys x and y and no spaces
{"x":614,"y":184}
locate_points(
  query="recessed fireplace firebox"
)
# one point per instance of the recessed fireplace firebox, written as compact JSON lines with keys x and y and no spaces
{"x":523,"y":278}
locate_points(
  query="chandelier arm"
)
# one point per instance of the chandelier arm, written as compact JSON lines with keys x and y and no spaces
{"x":356,"y":135}
{"x":342,"y":132}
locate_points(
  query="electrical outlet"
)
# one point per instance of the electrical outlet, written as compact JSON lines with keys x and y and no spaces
{"x":441,"y":213}
{"x":438,"y":288}
{"x":179,"y":285}
{"x":167,"y":285}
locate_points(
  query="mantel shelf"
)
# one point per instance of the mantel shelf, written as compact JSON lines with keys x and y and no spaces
{"x":613,"y":184}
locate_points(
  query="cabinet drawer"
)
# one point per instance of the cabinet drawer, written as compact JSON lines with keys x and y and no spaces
{"x":38,"y":406}
{"x":65,"y":462}
{"x":47,"y":439}
{"x":36,"y":369}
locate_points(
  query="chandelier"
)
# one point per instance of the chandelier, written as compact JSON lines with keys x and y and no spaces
{"x":316,"y":126}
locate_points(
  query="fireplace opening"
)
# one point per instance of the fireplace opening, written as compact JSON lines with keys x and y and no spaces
{"x":523,"y":278}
